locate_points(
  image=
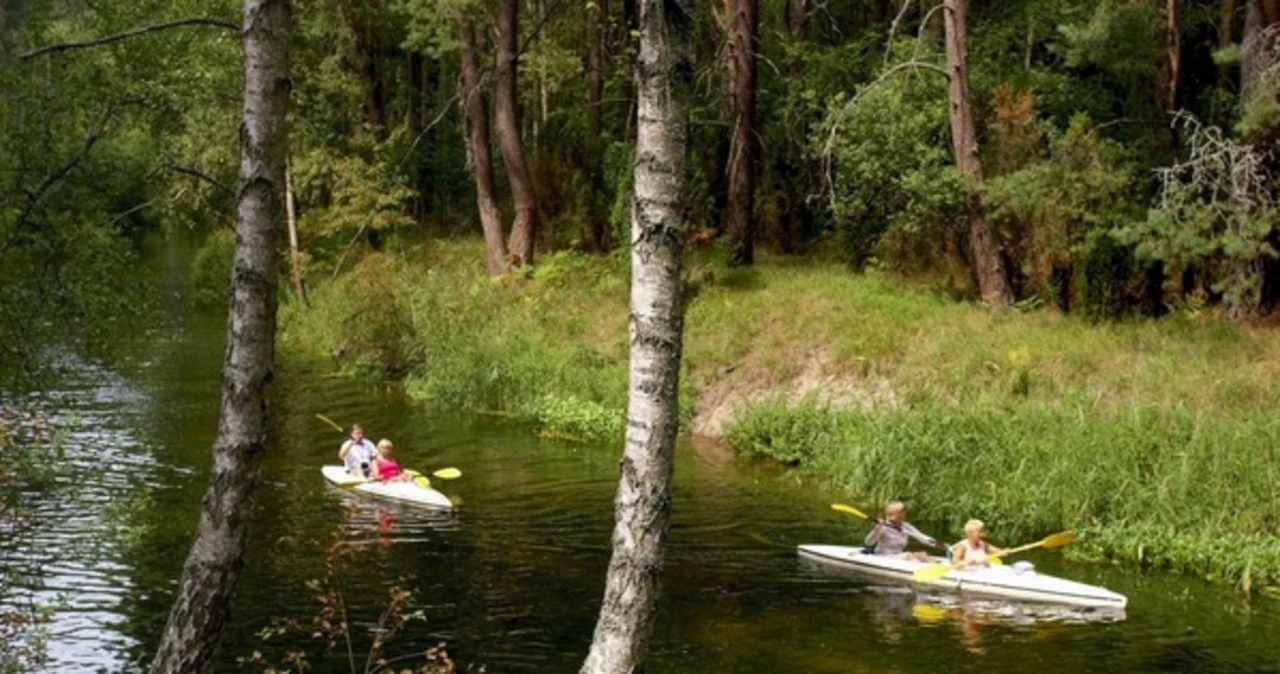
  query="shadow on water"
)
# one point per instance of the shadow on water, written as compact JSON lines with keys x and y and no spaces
{"x":512,"y":579}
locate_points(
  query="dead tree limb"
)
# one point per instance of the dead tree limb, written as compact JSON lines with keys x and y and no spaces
{"x":141,"y":30}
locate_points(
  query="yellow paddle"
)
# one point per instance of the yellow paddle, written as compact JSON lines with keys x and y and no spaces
{"x":850,"y":510}
{"x":937,"y":571}
{"x":331,"y":422}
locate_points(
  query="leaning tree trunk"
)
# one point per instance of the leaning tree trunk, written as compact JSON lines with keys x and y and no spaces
{"x":643,"y":506}
{"x":295,"y":249}
{"x":525,"y":227}
{"x":481,"y":157}
{"x":992,"y":282}
{"x":201,"y":608}
{"x":742,"y":22}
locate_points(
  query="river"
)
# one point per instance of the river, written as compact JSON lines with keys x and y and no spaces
{"x":511,"y":581}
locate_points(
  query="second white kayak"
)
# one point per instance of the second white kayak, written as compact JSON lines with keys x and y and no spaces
{"x":993,"y":581}
{"x":403,"y":492}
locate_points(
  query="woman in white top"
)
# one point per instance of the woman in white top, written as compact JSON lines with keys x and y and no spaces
{"x":973,"y":550}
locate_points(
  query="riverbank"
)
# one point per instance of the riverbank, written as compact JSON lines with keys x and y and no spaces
{"x":1156,"y":437}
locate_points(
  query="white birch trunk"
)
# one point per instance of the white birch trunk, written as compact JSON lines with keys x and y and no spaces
{"x":213,"y":566}
{"x":643,"y":505}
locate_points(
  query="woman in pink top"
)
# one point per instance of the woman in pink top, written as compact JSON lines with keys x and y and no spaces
{"x":386,"y":468}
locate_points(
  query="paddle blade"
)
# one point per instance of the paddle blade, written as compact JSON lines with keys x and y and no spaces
{"x":422,"y":481}
{"x":930,"y":573}
{"x":331,"y":422}
{"x":994,"y":561}
{"x":928,"y":613}
{"x":850,"y":510}
{"x":1058,"y":540}
{"x":448,"y":473}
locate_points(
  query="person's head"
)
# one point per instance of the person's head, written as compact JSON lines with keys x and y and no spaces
{"x":357,"y":432}
{"x":896,"y":512}
{"x":384,"y":448}
{"x":973,"y":530}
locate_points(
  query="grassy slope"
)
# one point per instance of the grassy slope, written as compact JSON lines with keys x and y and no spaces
{"x":1155,"y":435}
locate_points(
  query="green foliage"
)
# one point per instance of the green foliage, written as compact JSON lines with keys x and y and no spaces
{"x":211,"y":269}
{"x":466,"y":342}
{"x":895,"y":191}
{"x":1057,"y":210}
{"x":581,"y":420}
{"x":1217,"y":212}
{"x":1190,"y":492}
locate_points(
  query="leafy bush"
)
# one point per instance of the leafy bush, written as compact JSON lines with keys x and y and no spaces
{"x":890,"y":162}
{"x":573,"y":418}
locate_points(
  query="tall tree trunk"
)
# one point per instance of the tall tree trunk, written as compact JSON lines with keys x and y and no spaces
{"x":630,"y":23}
{"x":743,"y":21}
{"x":597,"y":24}
{"x":643,"y":504}
{"x":295,"y":251}
{"x":597,"y":27}
{"x":507,"y":124}
{"x":1226,"y":36}
{"x":477,"y":116}
{"x":213,"y":566}
{"x":795,"y":175}
{"x":1173,"y":47}
{"x":361,"y":18}
{"x":987,"y":262}
{"x":1253,"y":45}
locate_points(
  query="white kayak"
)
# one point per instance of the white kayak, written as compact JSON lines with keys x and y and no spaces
{"x":404,"y":492}
{"x":1005,"y":581}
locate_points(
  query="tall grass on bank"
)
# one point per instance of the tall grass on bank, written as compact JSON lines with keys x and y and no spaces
{"x":462,"y":341}
{"x":1162,"y":487}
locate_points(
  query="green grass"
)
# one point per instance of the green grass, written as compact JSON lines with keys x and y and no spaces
{"x":1160,"y":487}
{"x":1156,"y":438}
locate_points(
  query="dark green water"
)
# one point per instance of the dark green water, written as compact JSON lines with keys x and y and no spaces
{"x":511,"y":580}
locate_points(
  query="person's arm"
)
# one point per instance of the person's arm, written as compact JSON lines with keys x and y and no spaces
{"x":994,"y":551}
{"x":874,"y":536}
{"x":920,"y":536}
{"x":342,"y":451}
{"x":958,"y":559}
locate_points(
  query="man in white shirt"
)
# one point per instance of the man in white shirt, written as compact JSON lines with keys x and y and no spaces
{"x":357,"y":453}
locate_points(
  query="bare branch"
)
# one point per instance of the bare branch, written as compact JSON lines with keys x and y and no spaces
{"x":141,"y":30}
{"x":538,"y":29}
{"x":197,"y":173}
{"x":893,"y":29}
{"x":827,"y":149}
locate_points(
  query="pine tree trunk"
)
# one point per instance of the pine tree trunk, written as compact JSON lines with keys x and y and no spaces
{"x":992,"y":282}
{"x":597,"y":28}
{"x":643,"y":502}
{"x":630,"y":22}
{"x":213,"y":566}
{"x":1226,"y":37}
{"x":742,"y":22}
{"x":477,"y":118}
{"x":1173,"y":45}
{"x":295,"y":250}
{"x":507,"y":125}
{"x":795,"y":175}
